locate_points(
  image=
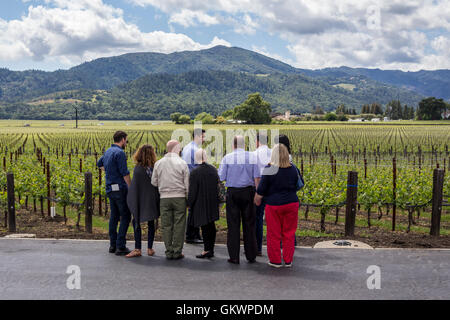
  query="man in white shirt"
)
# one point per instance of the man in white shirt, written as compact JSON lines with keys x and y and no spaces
{"x":263,"y":154}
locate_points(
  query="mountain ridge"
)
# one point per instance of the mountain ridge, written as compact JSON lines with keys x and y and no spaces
{"x":23,"y":92}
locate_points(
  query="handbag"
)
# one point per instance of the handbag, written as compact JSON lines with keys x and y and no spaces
{"x":222,"y":192}
{"x":300,"y":181}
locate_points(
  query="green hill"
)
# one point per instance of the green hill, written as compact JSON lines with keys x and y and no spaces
{"x":156,"y":96}
{"x":106,"y":73}
{"x":152,"y":85}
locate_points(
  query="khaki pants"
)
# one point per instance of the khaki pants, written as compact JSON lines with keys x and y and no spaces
{"x":173,"y":225}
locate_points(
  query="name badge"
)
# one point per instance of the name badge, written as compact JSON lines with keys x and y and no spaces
{"x":115,"y":187}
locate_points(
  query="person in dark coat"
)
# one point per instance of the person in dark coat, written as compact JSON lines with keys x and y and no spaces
{"x":143,"y":199}
{"x":203,"y":199}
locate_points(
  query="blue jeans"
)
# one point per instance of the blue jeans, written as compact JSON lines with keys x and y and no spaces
{"x":260,"y":225}
{"x":119,"y":211}
{"x":138,"y":234}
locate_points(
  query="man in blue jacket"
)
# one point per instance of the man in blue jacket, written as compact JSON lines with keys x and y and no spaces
{"x":114,"y":162}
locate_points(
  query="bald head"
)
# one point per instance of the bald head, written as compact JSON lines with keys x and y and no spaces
{"x":238,"y":142}
{"x":200,"y":156}
{"x":173,"y":146}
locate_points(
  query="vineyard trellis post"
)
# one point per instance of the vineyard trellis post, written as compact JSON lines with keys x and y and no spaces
{"x":438,"y":185}
{"x":48,"y":189}
{"x":11,"y":202}
{"x":394,"y":191}
{"x":100,"y":193}
{"x":88,"y":201}
{"x":350,"y":213}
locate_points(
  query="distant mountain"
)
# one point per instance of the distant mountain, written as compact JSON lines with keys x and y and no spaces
{"x":106,"y":73}
{"x":284,"y":85}
{"x":428,"y":83}
{"x":156,"y":96}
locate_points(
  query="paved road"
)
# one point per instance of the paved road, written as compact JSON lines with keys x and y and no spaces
{"x":36,"y":269}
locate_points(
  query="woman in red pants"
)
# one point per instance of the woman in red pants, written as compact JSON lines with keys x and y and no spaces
{"x":278,"y":186}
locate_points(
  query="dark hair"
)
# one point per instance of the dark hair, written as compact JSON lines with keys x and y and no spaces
{"x":119,"y":135}
{"x":261,"y":137}
{"x":145,"y":156}
{"x":198,"y":132}
{"x":284,"y":140}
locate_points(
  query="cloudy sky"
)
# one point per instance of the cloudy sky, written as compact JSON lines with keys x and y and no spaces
{"x":386,"y":34}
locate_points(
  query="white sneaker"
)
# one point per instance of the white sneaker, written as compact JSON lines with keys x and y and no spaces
{"x":288,"y":265}
{"x":275,"y":265}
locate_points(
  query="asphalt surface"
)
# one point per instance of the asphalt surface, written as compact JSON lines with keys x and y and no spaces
{"x":36,"y":269}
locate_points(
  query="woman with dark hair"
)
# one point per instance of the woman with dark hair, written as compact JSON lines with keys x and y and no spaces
{"x":143,"y":198}
{"x":283,"y":139}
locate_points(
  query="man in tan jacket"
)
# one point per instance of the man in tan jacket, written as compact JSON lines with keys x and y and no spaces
{"x":171,"y":177}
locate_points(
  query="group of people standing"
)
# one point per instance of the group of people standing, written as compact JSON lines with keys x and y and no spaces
{"x":261,"y":182}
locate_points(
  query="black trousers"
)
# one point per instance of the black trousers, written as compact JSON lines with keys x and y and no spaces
{"x":209,"y":236}
{"x":240,"y":206}
{"x":192,"y":233}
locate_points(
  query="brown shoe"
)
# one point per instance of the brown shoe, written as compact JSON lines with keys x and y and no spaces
{"x":181,"y":256}
{"x":150,"y":252}
{"x":134,"y":253}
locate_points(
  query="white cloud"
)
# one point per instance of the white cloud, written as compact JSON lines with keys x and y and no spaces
{"x":332,"y":33}
{"x":189,"y":18}
{"x":76,"y":31}
{"x":246,"y":26}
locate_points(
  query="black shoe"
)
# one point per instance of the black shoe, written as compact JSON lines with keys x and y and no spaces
{"x":122,"y":251}
{"x":208,"y":255}
{"x":233,"y":261}
{"x":194,"y":241}
{"x":112,"y":249}
{"x":252,"y":261}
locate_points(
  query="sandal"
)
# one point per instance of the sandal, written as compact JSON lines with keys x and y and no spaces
{"x":150,"y":252}
{"x":134,"y":253}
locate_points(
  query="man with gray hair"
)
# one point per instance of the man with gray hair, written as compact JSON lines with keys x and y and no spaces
{"x":241,"y":172}
{"x":171,"y":177}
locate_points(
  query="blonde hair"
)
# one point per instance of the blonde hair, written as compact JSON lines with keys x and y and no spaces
{"x":280,"y":156}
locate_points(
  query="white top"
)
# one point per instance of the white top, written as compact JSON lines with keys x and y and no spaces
{"x":263,"y":155}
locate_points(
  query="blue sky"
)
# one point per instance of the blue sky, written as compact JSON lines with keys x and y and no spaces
{"x":52,"y":34}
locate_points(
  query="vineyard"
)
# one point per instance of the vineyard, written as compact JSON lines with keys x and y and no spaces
{"x":394,"y":162}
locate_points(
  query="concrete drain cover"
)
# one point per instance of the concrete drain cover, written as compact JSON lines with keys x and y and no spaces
{"x":340,"y":244}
